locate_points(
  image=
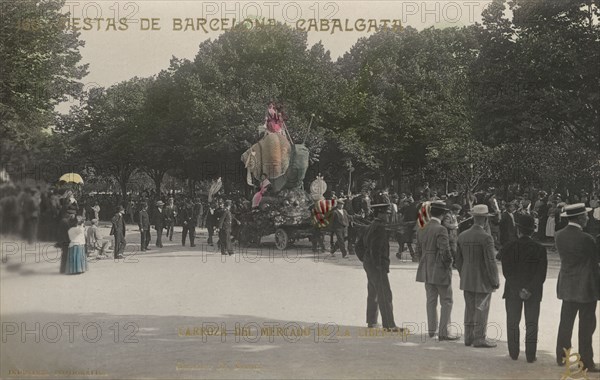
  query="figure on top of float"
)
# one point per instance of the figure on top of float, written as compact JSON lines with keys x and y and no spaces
{"x":271,"y":154}
{"x":274,"y":118}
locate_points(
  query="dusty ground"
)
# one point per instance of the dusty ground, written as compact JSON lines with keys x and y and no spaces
{"x":182,"y":312}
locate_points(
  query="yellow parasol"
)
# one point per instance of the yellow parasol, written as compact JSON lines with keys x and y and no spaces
{"x":71,"y":177}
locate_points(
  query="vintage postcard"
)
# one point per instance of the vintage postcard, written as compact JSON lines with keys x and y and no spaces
{"x":311,"y":189}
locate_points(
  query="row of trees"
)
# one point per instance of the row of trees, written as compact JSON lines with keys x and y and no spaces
{"x":515,"y":99}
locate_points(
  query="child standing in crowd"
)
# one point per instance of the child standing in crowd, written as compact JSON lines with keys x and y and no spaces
{"x":76,"y":258}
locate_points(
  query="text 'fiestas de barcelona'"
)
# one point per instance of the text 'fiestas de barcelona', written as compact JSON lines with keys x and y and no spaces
{"x":208,"y":25}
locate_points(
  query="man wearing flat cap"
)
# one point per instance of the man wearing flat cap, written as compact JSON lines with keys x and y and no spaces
{"x":578,"y":284}
{"x":524,"y":266}
{"x":118,"y":231}
{"x":435,"y":269}
{"x":339,"y":228}
{"x":475,"y":261}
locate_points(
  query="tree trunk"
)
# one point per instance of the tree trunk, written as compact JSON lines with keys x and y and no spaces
{"x":123,"y":185}
{"x":157,"y":177}
{"x":122,"y":174}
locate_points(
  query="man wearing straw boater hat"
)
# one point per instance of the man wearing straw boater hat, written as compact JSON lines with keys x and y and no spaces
{"x":475,"y":261}
{"x":578,"y":284}
{"x":524,"y":265}
{"x":373,"y":249}
{"x":435,"y":269}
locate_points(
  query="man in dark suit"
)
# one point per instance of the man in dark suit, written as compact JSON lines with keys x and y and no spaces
{"x":435,"y":270}
{"x":475,"y":261}
{"x":409,"y":222}
{"x":508,"y":229}
{"x":225,"y":229}
{"x":211,"y":222}
{"x":339,"y":227}
{"x":144,"y":225}
{"x":170,"y":216}
{"x":373,"y":249}
{"x":578,"y":284}
{"x":118,"y":231}
{"x":158,"y":219}
{"x":524,"y":265}
{"x":189,"y":219}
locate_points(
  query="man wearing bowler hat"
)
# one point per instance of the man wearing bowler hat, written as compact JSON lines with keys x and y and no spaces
{"x":524,"y":265}
{"x":578,"y":284}
{"x":475,"y":261}
{"x":435,"y":269}
{"x":118,"y":231}
{"x":373,"y":249}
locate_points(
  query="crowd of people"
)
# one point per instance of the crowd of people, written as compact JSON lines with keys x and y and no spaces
{"x":546,"y":209}
{"x":465,"y":232}
{"x":34,"y":213}
{"x":524,"y":266}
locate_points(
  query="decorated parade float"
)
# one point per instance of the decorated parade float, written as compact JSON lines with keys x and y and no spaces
{"x":281,"y":206}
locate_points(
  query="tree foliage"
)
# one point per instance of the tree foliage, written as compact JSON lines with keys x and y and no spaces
{"x":537,"y":76}
{"x":407,"y":93}
{"x":39,"y":68}
{"x":505,"y":101}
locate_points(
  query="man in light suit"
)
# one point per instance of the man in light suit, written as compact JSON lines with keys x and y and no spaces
{"x":578,"y":284}
{"x":435,"y":270}
{"x":524,"y":265}
{"x":475,"y":261}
